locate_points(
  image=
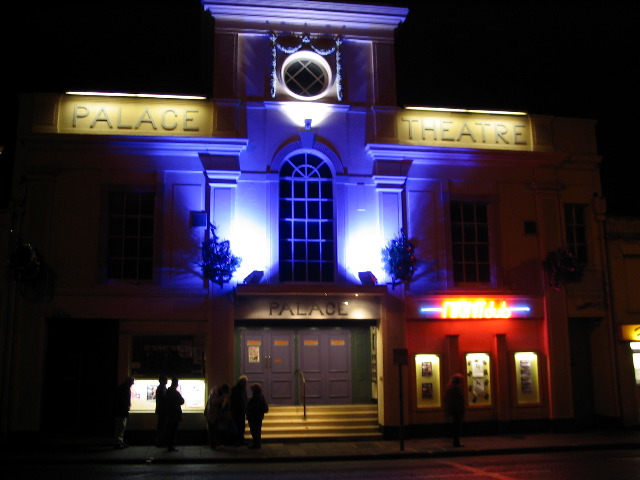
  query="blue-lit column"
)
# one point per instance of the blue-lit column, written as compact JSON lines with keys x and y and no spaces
{"x":221,"y":174}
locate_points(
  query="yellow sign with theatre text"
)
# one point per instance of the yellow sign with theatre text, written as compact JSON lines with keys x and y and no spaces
{"x":464,"y":129}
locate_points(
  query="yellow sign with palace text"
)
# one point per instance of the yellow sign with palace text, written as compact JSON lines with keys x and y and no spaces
{"x":94,"y":115}
{"x":630,"y":333}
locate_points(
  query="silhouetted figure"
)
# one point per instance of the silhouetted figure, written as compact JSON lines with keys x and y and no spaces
{"x":173,"y":410}
{"x":161,"y":392}
{"x":121,"y":407}
{"x":238,"y":403}
{"x":256,"y":408}
{"x":217,"y":413}
{"x":454,"y":406}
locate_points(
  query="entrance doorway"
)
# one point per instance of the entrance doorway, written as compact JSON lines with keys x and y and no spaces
{"x":279,"y":360}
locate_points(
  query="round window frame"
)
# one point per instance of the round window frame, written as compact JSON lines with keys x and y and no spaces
{"x":316,"y":59}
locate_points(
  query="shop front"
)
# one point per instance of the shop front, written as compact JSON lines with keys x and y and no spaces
{"x":494,"y":341}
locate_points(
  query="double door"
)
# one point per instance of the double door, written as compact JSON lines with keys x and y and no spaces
{"x":279,"y":360}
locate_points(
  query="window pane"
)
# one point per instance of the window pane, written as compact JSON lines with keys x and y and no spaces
{"x":131,"y":227}
{"x":285,"y":229}
{"x":313,"y":251}
{"x":285,"y":209}
{"x":299,"y":250}
{"x":285,"y":189}
{"x":314,"y":272}
{"x":313,"y":190}
{"x":313,"y":209}
{"x":299,"y":272}
{"x":327,"y":210}
{"x":327,"y":272}
{"x":285,"y":250}
{"x":299,"y":230}
{"x":299,"y":189}
{"x":313,"y":230}
{"x":327,"y":252}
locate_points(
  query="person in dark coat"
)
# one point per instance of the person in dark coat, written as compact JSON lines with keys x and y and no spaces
{"x":161,"y":391}
{"x":217,"y":414}
{"x":256,"y":408}
{"x":238,"y":404}
{"x":454,"y":406}
{"x":121,"y":407}
{"x":173,"y":402}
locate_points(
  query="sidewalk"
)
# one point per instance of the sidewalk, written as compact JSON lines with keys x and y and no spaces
{"x":93,"y":452}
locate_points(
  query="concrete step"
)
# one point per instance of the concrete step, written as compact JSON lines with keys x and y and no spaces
{"x":340,"y":422}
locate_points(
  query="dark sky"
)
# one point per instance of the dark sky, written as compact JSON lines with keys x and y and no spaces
{"x":562,"y":60}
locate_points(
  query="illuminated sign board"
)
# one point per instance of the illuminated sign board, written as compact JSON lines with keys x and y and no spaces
{"x":476,"y":308}
{"x":308,"y":308}
{"x":96,"y":115}
{"x":630,"y":333}
{"x":464,"y":130}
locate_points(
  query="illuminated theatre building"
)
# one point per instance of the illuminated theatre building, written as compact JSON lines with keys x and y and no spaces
{"x":303,"y":161}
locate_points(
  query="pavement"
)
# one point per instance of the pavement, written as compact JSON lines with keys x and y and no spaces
{"x":91,"y":451}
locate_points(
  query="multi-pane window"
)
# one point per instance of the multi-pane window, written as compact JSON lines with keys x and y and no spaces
{"x":470,"y":242}
{"x":576,"y":231}
{"x":306,"y":220}
{"x":130,"y":236}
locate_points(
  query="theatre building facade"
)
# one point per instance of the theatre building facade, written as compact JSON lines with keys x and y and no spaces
{"x":301,"y":159}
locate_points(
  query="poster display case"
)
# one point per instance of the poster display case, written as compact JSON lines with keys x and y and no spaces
{"x":427,"y":375}
{"x":478,"y":379}
{"x":143,"y":395}
{"x":527,"y":378}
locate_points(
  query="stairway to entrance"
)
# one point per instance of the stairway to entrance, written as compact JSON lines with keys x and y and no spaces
{"x":323,"y":422}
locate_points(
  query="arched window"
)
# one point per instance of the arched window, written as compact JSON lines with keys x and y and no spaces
{"x":306,"y":220}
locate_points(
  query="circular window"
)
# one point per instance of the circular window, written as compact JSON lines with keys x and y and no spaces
{"x":306,"y":75}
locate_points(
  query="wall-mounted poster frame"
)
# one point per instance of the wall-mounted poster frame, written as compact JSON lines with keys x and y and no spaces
{"x":478,"y":379}
{"x":427,"y":375}
{"x":527,"y":378}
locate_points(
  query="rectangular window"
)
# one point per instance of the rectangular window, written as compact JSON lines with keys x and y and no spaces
{"x":130,"y":236}
{"x":470,"y":242}
{"x":576,"y":231}
{"x":306,"y":246}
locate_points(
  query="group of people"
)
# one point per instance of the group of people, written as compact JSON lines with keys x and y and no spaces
{"x":226,"y":411}
{"x":227,"y":408}
{"x":169,"y":403}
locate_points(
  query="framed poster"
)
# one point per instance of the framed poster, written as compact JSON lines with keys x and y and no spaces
{"x":527,"y":378}
{"x":427,"y":377}
{"x":478,"y":379}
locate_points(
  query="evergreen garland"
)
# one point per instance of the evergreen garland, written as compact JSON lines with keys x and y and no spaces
{"x":563,"y":268}
{"x":218,"y":263}
{"x":399,"y":259}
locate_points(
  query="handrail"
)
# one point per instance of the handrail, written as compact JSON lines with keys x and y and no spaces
{"x":304,"y":393}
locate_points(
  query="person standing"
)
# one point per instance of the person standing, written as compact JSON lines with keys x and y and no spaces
{"x":161,"y":392}
{"x":173,"y":402}
{"x":121,"y":407}
{"x":238,"y":404}
{"x":217,"y":413}
{"x":256,"y":408}
{"x":454,"y":406}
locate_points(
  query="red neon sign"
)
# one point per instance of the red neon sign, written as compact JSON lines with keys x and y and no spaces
{"x":480,"y":308}
{"x":477,"y":308}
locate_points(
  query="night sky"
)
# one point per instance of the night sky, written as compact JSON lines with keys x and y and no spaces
{"x":560,"y":60}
